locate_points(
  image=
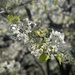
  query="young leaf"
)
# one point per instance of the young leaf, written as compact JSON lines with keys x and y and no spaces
{"x":59,"y":58}
{"x":43,"y":57}
{"x":11,"y":18}
{"x":38,"y":32}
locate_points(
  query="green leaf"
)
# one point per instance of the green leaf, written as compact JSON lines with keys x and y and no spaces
{"x":43,"y":57}
{"x":38,"y":32}
{"x":11,"y":18}
{"x":59,"y":58}
{"x":45,"y":39}
{"x":17,"y":18}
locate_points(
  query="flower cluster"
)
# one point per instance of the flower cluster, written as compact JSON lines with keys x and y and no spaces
{"x":53,"y":46}
{"x":21,"y":29}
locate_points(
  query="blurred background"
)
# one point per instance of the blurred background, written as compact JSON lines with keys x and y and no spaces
{"x":15,"y":58}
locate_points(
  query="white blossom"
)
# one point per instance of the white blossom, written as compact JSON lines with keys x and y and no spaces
{"x":52,"y":47}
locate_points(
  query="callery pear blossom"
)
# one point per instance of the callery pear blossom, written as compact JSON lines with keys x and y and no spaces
{"x":54,"y":45}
